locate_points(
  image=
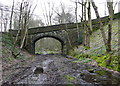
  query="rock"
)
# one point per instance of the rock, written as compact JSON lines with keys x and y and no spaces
{"x":82,"y":74}
{"x":91,"y":70}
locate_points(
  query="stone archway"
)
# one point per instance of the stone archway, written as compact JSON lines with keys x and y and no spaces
{"x":60,"y":36}
{"x":48,"y":43}
{"x":31,"y":45}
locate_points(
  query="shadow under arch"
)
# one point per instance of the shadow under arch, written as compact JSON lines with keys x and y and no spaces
{"x":54,"y":37}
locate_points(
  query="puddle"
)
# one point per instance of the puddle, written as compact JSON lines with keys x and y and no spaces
{"x":38,"y":70}
{"x":101,"y":77}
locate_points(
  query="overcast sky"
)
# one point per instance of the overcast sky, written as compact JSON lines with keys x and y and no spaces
{"x":68,"y":4}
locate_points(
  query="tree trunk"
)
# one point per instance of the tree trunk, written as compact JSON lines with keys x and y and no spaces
{"x":5,"y":24}
{"x":119,"y":40}
{"x":19,"y":26}
{"x":86,"y":31}
{"x":89,"y":24}
{"x":89,"y":17}
{"x":10,"y":25}
{"x":11,"y":15}
{"x":101,"y":25}
{"x":24,"y":38}
{"x":111,"y":14}
{"x":77,"y":21}
{"x":1,"y":19}
{"x":25,"y":25}
{"x":23,"y":34}
{"x":82,"y":22}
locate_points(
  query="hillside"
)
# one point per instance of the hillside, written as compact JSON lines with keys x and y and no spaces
{"x":13,"y":57}
{"x":97,"y":48}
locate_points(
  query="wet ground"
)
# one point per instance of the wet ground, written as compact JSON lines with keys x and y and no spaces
{"x":57,"y":69}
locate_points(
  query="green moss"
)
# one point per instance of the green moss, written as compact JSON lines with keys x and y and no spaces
{"x":70,"y":78}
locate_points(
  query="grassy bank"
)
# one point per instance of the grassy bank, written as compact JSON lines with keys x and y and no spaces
{"x":97,"y":49}
{"x":12,"y":55}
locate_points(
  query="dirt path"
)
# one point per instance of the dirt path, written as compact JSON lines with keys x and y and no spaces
{"x":56,"y":69}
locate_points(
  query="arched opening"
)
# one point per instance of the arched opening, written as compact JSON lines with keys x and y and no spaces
{"x":48,"y":45}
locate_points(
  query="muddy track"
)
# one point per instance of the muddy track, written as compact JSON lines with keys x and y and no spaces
{"x":57,"y":69}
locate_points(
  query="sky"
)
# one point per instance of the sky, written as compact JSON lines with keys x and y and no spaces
{"x":68,"y":4}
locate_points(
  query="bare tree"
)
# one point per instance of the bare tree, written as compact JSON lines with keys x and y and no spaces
{"x":105,"y":10}
{"x":82,"y":11}
{"x":63,"y":15}
{"x":11,"y":16}
{"x":19,"y":22}
{"x":87,"y":26}
{"x":1,"y":19}
{"x":82,"y":25}
{"x":25,"y":13}
{"x":111,"y":14}
{"x":76,"y":14}
{"x":48,"y":13}
{"x":25,"y":22}
{"x":35,"y":22}
{"x":119,"y":40}
{"x":89,"y":16}
{"x":5,"y":21}
{"x":86,"y":29}
{"x":101,"y":25}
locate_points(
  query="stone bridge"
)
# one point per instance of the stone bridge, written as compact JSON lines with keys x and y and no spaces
{"x":67,"y":34}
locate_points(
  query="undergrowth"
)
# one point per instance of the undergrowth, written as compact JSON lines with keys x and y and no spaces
{"x":81,"y":57}
{"x":102,"y":60}
{"x":9,"y":51}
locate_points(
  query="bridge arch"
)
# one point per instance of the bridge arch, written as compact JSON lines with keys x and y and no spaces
{"x":63,"y":44}
{"x":35,"y":37}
